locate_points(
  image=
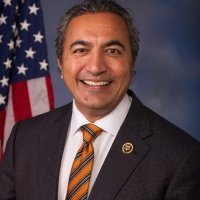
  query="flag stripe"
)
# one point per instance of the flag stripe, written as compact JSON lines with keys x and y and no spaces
{"x":38,"y":98}
{"x":21,"y":102}
{"x":2,"y":121}
{"x":49,"y":92}
{"x":10,"y":118}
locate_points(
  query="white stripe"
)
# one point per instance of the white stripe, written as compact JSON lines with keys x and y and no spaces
{"x":10,"y":119}
{"x":38,"y":96}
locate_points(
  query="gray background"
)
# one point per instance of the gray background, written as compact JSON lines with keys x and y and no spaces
{"x":168,"y":71}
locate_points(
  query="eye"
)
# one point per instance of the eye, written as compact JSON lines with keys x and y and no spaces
{"x":113,"y":52}
{"x":80,"y":51}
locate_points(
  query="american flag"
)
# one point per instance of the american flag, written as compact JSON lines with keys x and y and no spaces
{"x":25,"y":84}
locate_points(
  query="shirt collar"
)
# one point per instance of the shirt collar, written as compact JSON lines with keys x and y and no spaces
{"x":111,"y":123}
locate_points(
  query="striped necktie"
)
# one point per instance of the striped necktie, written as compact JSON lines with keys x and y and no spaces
{"x":82,"y":166}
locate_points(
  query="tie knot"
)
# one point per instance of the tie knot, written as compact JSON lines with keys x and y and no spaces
{"x":90,"y":132}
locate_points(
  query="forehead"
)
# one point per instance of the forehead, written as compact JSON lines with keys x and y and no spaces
{"x":97,"y":24}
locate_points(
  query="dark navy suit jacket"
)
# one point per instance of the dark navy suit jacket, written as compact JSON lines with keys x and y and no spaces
{"x":164,"y":164}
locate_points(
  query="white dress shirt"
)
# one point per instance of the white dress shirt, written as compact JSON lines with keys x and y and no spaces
{"x":111,"y":124}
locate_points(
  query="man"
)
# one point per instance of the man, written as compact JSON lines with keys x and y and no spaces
{"x":137,"y":154}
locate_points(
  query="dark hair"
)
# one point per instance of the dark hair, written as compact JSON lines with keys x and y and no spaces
{"x":97,"y":6}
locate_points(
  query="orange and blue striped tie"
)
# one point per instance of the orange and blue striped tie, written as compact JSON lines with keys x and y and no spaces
{"x":82,"y":166}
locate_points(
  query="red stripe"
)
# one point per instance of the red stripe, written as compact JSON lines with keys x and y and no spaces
{"x":21,"y":102}
{"x":50,"y":92}
{"x":2,"y":122}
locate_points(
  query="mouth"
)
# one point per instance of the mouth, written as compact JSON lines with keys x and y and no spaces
{"x":96,"y":83}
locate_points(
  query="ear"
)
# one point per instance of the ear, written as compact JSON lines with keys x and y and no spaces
{"x":60,"y":68}
{"x":59,"y":64}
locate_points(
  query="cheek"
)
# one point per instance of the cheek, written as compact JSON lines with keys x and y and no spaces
{"x":72,"y":66}
{"x":124,"y":72}
{"x":125,"y":77}
{"x":69,"y":75}
{"x":69,"y":69}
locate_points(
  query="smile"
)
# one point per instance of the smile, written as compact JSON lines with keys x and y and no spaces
{"x":99,"y":83}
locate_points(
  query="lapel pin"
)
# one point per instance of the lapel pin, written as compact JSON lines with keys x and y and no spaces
{"x":127,"y":148}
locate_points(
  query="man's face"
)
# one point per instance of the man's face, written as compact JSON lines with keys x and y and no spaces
{"x":96,"y":63}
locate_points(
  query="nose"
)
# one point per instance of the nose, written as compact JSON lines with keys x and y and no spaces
{"x":96,"y":64}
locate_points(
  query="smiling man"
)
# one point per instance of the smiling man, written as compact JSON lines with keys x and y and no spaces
{"x":105,"y":145}
{"x":96,"y":63}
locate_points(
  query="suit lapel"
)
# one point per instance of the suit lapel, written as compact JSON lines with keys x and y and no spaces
{"x":51,"y":148}
{"x":118,"y":166}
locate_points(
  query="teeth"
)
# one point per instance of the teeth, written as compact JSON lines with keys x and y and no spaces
{"x":100,"y":83}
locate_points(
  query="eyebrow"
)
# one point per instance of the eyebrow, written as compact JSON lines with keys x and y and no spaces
{"x":107,"y":44}
{"x":79,"y":42}
{"x":114,"y":43}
